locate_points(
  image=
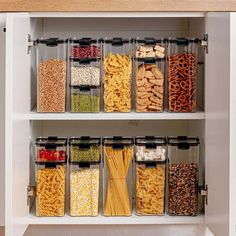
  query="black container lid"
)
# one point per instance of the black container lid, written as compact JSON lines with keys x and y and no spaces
{"x":51,"y":141}
{"x":84,"y":87}
{"x":92,"y":140}
{"x":51,"y":164}
{"x":183,"y":41}
{"x":51,"y":42}
{"x":149,"y":41}
{"x":152,"y":141}
{"x":117,"y":41}
{"x":85,"y":41}
{"x":118,"y":142}
{"x":183,"y":142}
{"x":85,"y":60}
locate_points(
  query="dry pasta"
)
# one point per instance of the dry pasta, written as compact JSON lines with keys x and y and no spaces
{"x":150,"y":188}
{"x":84,"y":191}
{"x":50,"y":191}
{"x":117,"y":202}
{"x":117,"y":83}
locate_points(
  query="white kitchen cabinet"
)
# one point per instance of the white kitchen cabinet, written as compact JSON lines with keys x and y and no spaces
{"x":214,"y":122}
{"x":2,"y":114}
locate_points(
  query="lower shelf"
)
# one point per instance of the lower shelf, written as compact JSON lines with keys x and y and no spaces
{"x":145,"y":220}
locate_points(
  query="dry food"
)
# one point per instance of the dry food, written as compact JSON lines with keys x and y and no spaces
{"x":84,"y":192}
{"x":149,"y":88}
{"x":50,"y":191}
{"x":182,"y":82}
{"x":85,"y":75}
{"x":150,"y":51}
{"x":85,"y":103}
{"x":183,"y":189}
{"x":117,"y":83}
{"x":150,"y":154}
{"x":52,"y":86}
{"x":150,"y":190}
{"x":85,"y":52}
{"x":117,"y":202}
{"x":83,"y":154}
{"x":51,"y":155}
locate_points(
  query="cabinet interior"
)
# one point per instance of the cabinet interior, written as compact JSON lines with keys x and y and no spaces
{"x":25,"y":131}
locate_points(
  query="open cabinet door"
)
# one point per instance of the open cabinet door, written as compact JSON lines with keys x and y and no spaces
{"x":217,"y":99}
{"x":2,"y":114}
{"x":17,"y":139}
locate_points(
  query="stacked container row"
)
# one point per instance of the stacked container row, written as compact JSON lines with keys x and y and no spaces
{"x":116,"y":61}
{"x":120,"y":177}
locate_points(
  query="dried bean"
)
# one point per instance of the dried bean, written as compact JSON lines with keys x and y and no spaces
{"x":183,"y":189}
{"x":85,"y":75}
{"x":52,"y":86}
{"x":85,"y":52}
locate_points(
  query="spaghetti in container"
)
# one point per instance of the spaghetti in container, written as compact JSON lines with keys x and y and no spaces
{"x":182,"y":72}
{"x":117,"y":179}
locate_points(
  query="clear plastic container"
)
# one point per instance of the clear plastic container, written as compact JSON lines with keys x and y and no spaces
{"x":84,"y":188}
{"x":150,"y":48}
{"x":149,"y":84}
{"x":85,"y":71}
{"x":50,"y":149}
{"x":84,"y":98}
{"x":117,"y":75}
{"x":85,"y":48}
{"x":51,"y":75}
{"x":150,"y":156}
{"x":50,"y":188}
{"x":182,"y":73}
{"x":183,"y":175}
{"x":117,"y":176}
{"x":85,"y":149}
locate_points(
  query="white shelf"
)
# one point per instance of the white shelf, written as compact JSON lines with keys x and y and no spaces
{"x":199,"y":115}
{"x":145,"y":220}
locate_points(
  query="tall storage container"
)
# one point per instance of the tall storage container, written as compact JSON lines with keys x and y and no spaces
{"x":150,"y":157}
{"x":117,"y":176}
{"x":149,"y":65}
{"x":85,"y":148}
{"x":50,"y":188}
{"x":182,"y":72}
{"x":51,"y":75}
{"x":84,"y":188}
{"x":117,"y":75}
{"x":183,"y":169}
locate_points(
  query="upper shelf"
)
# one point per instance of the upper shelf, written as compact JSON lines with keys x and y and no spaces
{"x":199,"y":115}
{"x":117,"y":6}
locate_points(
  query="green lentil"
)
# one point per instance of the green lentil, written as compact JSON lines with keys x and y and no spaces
{"x":85,"y":103}
{"x":81,"y":154}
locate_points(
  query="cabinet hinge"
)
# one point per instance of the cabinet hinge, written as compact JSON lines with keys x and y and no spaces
{"x":203,"y":190}
{"x":204,"y":43}
{"x":30,"y":43}
{"x":31,"y":192}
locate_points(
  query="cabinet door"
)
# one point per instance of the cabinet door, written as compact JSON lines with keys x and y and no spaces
{"x":217,"y":137}
{"x":2,"y":113}
{"x":17,"y":130}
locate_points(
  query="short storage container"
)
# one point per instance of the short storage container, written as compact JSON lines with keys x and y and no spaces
{"x":183,"y":171}
{"x":117,"y":179}
{"x":51,"y":149}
